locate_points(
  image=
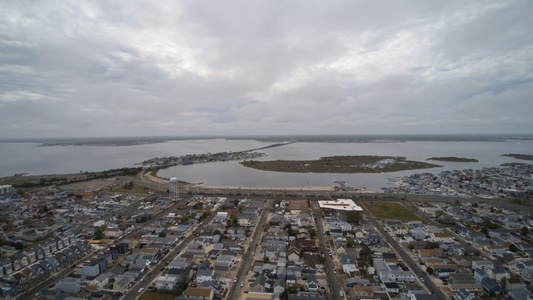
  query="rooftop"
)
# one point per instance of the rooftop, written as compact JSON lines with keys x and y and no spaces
{"x":340,"y":204}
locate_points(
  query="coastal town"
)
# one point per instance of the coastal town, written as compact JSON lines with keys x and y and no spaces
{"x":83,"y":241}
{"x":190,"y":159}
{"x":514,"y":181}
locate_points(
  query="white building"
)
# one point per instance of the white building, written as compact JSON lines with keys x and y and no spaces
{"x":4,"y":189}
{"x":166,"y":282}
{"x":340,"y":204}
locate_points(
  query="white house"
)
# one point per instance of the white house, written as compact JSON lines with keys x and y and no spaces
{"x":166,"y":282}
{"x":442,"y":237}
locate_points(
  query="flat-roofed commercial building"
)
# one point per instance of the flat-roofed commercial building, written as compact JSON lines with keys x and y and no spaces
{"x":340,"y":204}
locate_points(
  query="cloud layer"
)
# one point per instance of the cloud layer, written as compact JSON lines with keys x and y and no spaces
{"x":79,"y":68}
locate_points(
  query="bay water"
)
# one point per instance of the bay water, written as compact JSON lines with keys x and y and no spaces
{"x":32,"y":158}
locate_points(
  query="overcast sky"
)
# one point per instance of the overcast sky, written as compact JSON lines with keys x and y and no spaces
{"x":130,"y":68}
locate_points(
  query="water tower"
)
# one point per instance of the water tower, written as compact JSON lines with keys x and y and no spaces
{"x":174,"y":191}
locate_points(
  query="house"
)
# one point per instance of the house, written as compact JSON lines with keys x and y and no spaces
{"x":279,"y":286}
{"x":442,"y":237}
{"x":89,"y":268}
{"x":463,"y":295}
{"x":348,"y":262}
{"x":392,"y":287}
{"x":6,"y":265}
{"x":121,"y":248}
{"x":293,"y":254}
{"x":37,"y":269}
{"x":491,"y":285}
{"x":54,"y":264}
{"x":122,"y":282}
{"x":479,"y":275}
{"x":312,"y":283}
{"x":306,"y":296}
{"x":259,"y":285}
{"x":166,"y":282}
{"x":396,"y":276}
{"x":418,"y":233}
{"x":244,"y":219}
{"x":112,"y":232}
{"x":422,"y":296}
{"x":30,"y":255}
{"x":39,"y":253}
{"x":15,"y":263}
{"x":444,"y":270}
{"x":309,"y":266}
{"x":361,"y":291}
{"x":465,"y":282}
{"x":221,"y":217}
{"x":199,"y":293}
{"x":304,"y":244}
{"x":100,"y":281}
{"x":482,"y":264}
{"x":497,"y":274}
{"x":372,"y":239}
{"x":514,"y":284}
{"x":70,"y":285}
{"x":179,"y":263}
{"x":205,"y":275}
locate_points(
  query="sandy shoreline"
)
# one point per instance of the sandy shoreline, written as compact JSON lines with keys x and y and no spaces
{"x":311,"y":188}
{"x":164,"y":181}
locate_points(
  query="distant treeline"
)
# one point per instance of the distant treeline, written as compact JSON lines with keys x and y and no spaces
{"x":519,"y":156}
{"x":453,"y":159}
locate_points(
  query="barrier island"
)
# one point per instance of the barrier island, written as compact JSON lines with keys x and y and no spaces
{"x":453,"y":159}
{"x":340,"y":164}
{"x":519,"y":156}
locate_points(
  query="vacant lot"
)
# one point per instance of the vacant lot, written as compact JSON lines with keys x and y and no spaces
{"x":147,"y":295}
{"x":391,"y":211}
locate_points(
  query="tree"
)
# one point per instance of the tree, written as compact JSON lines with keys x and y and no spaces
{"x":99,"y":232}
{"x":312,"y":232}
{"x":503,"y":284}
{"x":429,"y":270}
{"x":128,"y":185}
{"x":354,"y":217}
{"x":487,"y":222}
{"x":432,"y":245}
{"x":162,"y":234}
{"x":524,"y":231}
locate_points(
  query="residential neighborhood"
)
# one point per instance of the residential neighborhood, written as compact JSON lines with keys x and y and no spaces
{"x":60,"y":244}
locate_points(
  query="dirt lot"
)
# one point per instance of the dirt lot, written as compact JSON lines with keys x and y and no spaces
{"x":93,"y":185}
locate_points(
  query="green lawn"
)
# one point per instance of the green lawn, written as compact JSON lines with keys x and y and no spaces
{"x":391,"y":211}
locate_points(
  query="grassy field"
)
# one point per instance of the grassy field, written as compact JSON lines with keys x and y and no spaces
{"x":340,"y":164}
{"x":391,"y":211}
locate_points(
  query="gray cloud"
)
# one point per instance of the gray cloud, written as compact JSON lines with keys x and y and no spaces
{"x":193,"y":67}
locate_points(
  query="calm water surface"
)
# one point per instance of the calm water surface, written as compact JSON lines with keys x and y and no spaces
{"x":28,"y":157}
